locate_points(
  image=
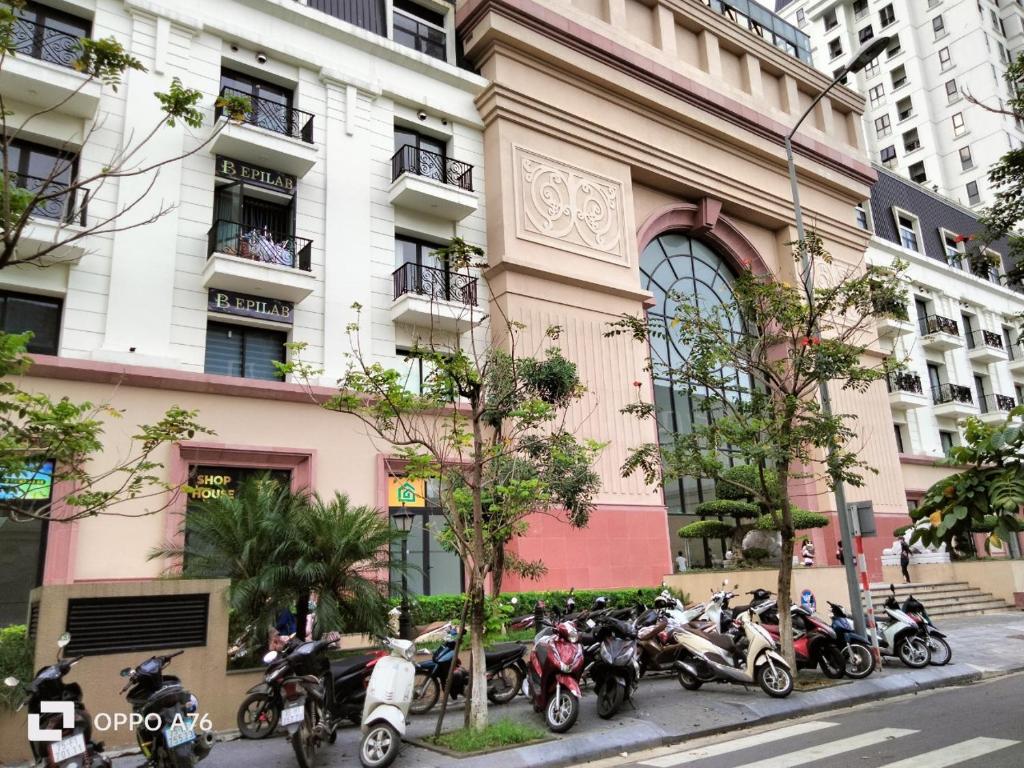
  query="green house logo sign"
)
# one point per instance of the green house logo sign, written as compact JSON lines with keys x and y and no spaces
{"x":407,"y":493}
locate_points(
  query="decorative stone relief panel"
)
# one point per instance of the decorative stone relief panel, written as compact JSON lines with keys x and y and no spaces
{"x":567,"y":207}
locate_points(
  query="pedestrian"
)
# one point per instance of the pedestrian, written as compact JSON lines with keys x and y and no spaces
{"x":839,"y":553}
{"x":807,"y":553}
{"x":905,"y":559}
{"x":680,"y":561}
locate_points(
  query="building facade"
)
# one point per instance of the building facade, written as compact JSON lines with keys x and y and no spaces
{"x":918,"y":119}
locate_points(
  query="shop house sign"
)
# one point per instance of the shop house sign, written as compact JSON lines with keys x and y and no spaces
{"x":254,"y":174}
{"x":256,"y":307}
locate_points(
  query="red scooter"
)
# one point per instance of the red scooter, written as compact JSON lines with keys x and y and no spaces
{"x":814,"y":642}
{"x":553,"y":675}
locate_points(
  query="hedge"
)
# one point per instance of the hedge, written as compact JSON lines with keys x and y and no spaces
{"x":802,"y":520}
{"x":430,"y":608}
{"x":16,"y":657}
{"x":728,"y":507}
{"x":706,"y":529}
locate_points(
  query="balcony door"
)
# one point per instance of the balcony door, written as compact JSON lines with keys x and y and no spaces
{"x":934,"y":378}
{"x":43,"y":170}
{"x":271,"y":104}
{"x":422,"y":155}
{"x":48,"y":34}
{"x":423,"y":271}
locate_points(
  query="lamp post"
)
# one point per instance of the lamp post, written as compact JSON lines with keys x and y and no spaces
{"x":868,"y":52}
{"x":403,"y":522}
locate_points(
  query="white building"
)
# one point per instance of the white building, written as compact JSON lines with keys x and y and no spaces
{"x":960,"y":338}
{"x":918,"y":120}
{"x":363,"y":150}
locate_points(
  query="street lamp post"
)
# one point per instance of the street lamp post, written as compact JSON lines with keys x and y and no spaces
{"x":403,"y":521}
{"x":868,"y":52}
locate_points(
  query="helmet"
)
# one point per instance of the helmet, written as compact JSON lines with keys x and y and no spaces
{"x":600,"y":603}
{"x":660,"y":602}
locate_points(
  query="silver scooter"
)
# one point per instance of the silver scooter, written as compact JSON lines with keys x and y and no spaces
{"x":388,"y":697}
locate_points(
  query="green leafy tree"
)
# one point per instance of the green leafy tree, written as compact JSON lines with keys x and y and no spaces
{"x":752,"y":367}
{"x":488,"y":424}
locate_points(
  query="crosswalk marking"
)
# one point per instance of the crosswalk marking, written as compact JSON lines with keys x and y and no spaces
{"x":954,"y":754}
{"x":723,"y":748}
{"x":831,"y":749}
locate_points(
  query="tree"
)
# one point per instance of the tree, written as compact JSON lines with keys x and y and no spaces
{"x":488,"y":423}
{"x":38,"y":429}
{"x":278,"y":547}
{"x":752,"y":367}
{"x":986,"y":497}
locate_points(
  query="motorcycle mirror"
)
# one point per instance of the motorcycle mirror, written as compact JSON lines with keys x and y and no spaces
{"x":63,"y":640}
{"x":268,"y":657}
{"x":11,"y":682}
{"x":126,"y":672}
{"x":725,"y":582}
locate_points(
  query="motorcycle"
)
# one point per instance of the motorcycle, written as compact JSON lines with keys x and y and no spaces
{"x":615,"y":670}
{"x":856,"y":649}
{"x":553,"y":675}
{"x":938,"y":647}
{"x":167,"y":733}
{"x":75,"y":745}
{"x":814,"y":641}
{"x":388,"y":697}
{"x":900,"y":636}
{"x":709,"y":656}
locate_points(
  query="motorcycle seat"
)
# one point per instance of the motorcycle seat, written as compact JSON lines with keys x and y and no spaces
{"x":725,"y":642}
{"x":345,"y":667}
{"x":505,"y":652}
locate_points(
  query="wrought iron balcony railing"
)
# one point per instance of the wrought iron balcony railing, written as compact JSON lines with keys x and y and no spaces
{"x":259,"y":244}
{"x":995,"y":403}
{"x":988,"y":338}
{"x":39,"y":41}
{"x":274,"y":116}
{"x":430,"y":165}
{"x":902,"y":381}
{"x":439,"y":284}
{"x":59,"y":202}
{"x":952,"y":393}
{"x":938,"y":324}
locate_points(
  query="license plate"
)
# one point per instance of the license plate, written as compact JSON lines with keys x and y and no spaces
{"x":68,"y":748}
{"x":178,"y":734}
{"x":293,"y":714}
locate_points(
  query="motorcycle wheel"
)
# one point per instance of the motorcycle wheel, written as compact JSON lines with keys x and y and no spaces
{"x":505,"y":685}
{"x":913,"y":652}
{"x":859,"y":661}
{"x":379,"y":746}
{"x":257,"y":716}
{"x":940,"y":652}
{"x":777,"y":682}
{"x":304,"y":742}
{"x":561,"y":713}
{"x":425,"y":693}
{"x":609,"y":699}
{"x":688,"y":681}
{"x":831,"y":662}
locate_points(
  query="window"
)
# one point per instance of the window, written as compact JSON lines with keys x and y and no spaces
{"x":904,"y":108}
{"x":973,"y":195}
{"x":917,"y":172}
{"x":911,"y":140}
{"x":425,"y":155}
{"x":981,"y":388}
{"x":947,"y":440}
{"x":954,"y":248}
{"x":1018,"y":391}
{"x":239,"y":350}
{"x":887,"y":15}
{"x":42,"y":170}
{"x":907,"y":226}
{"x":871,"y":70}
{"x":840,"y":75}
{"x":898,"y":430}
{"x":933,"y":3}
{"x":894,"y":48}
{"x":801,"y":17}
{"x":865,"y":33}
{"x":861,"y":213}
{"x":966,"y":161}
{"x":882,"y":126}
{"x":959,"y":128}
{"x":939,"y":27}
{"x":271,"y":103}
{"x":417,"y":370}
{"x":21,"y":312}
{"x":995,"y":21}
{"x":945,"y":60}
{"x":48,"y":34}
{"x":876,"y":93}
{"x":888,"y":156}
{"x":860,"y":9}
{"x":421,"y":29}
{"x":952,"y":92}
{"x":899,"y":77}
{"x":432,"y":569}
{"x":830,"y":20}
{"x":968,"y":323}
{"x":1004,"y":54}
{"x":420,"y":270}
{"x":835,"y":48}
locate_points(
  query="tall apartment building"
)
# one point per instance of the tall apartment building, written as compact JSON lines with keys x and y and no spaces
{"x":918,"y":119}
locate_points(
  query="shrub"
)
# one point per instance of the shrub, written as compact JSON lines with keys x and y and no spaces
{"x":898,"y":532}
{"x":747,"y":475}
{"x":802,"y":520}
{"x":728,"y":508}
{"x":706,"y":529}
{"x":16,"y":657}
{"x":756,"y":555}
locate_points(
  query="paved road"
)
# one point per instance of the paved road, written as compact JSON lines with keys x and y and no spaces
{"x":977,"y":726}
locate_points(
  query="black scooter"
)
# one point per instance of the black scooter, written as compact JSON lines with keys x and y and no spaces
{"x":615,"y":669}
{"x":941,"y":653}
{"x":856,"y":649}
{"x":74,"y":746}
{"x":167,"y":733}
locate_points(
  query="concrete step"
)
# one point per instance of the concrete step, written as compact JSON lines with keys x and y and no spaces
{"x":943,"y":600}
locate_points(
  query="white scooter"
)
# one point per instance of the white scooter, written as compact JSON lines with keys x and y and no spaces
{"x":900,"y":636}
{"x":388,"y":697}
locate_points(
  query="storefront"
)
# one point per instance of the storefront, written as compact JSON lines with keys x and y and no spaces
{"x":22,"y":542}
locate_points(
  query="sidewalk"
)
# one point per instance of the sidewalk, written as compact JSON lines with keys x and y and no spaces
{"x":983,"y":646}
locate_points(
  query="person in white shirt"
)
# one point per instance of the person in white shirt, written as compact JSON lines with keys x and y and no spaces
{"x":680,"y":561}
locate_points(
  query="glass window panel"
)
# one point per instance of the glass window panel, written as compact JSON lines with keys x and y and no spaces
{"x":223,"y":350}
{"x":262,"y":350}
{"x":445,"y":567}
{"x":40,"y":315}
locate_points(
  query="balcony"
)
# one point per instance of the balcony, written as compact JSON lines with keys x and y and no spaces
{"x":953,"y":401}
{"x":429,"y":183}
{"x":905,"y":391}
{"x":41,"y":72}
{"x":1016,"y":357}
{"x":428,"y":297}
{"x":271,"y":134}
{"x":59,"y":213}
{"x":995,"y":408}
{"x":260,"y":262}
{"x":985,"y":347}
{"x":892,"y":319}
{"x":939,"y":333}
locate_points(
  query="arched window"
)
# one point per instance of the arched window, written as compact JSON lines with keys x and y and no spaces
{"x":675,"y":264}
